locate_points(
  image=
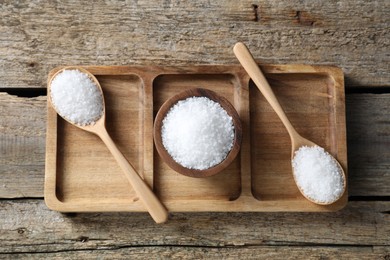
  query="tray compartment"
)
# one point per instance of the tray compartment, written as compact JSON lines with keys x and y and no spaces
{"x":309,"y":101}
{"x":85,"y":167}
{"x":170,"y":185}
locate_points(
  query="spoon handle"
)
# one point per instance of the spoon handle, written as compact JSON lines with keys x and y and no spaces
{"x":247,"y":61}
{"x":155,"y":208}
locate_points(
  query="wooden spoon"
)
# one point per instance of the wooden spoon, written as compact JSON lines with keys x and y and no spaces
{"x":149,"y":199}
{"x":247,"y":61}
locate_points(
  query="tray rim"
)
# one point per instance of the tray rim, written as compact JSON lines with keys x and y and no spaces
{"x":238,"y":205}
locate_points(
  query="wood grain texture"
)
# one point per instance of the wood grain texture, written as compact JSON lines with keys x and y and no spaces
{"x":368,"y":133}
{"x":35,"y":228}
{"x":22,"y":146}
{"x":23,"y":127}
{"x":203,"y":252}
{"x":38,"y":36}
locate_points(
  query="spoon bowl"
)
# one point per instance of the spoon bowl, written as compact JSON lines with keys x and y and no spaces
{"x":149,"y":199}
{"x":297,"y":142}
{"x":247,"y":61}
{"x":94,"y":126}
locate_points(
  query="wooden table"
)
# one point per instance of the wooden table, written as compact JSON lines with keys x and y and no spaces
{"x":36,"y":36}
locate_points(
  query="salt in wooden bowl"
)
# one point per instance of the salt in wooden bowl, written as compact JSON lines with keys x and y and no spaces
{"x":166,"y":157}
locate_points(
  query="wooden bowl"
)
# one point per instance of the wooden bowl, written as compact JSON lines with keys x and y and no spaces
{"x":166,"y":157}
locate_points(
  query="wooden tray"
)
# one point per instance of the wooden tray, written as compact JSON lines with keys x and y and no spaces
{"x":82,"y":176}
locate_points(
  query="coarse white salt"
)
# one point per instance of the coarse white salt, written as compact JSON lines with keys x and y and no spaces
{"x":198,"y":133}
{"x":317,"y":174}
{"x":76,"y":97}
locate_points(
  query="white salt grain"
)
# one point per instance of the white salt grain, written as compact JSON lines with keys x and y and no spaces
{"x":76,"y":97}
{"x":198,"y":133}
{"x":317,"y":174}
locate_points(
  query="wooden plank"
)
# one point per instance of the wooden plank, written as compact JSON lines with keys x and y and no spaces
{"x":232,"y":252}
{"x":22,"y":145}
{"x":368,"y":134}
{"x":29,"y":226}
{"x":38,"y":37}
